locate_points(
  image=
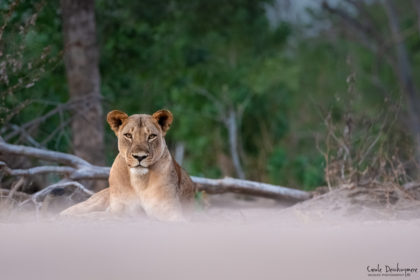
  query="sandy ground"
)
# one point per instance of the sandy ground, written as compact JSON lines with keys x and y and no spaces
{"x":258,"y":239}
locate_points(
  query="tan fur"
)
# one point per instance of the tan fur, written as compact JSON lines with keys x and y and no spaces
{"x":144,"y":177}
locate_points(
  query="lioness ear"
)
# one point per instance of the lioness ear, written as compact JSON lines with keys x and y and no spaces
{"x":115,"y":119}
{"x":164,"y":119}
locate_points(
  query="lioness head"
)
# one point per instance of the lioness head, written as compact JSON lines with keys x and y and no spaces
{"x":140,"y":137}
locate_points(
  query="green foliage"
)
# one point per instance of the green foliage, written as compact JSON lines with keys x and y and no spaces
{"x":223,"y":49}
{"x":31,"y":52}
{"x":202,"y":58}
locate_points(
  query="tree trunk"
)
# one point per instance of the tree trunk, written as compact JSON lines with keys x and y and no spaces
{"x":81,"y":62}
{"x":404,"y":73}
{"x":416,"y":4}
{"x":179,"y":152}
{"x":232,"y":128}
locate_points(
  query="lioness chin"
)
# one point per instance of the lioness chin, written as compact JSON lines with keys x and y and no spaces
{"x":144,"y":177}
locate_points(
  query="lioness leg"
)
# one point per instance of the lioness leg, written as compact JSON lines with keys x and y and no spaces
{"x":97,"y":202}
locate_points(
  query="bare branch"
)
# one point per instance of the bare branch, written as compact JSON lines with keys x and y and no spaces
{"x":242,"y":106}
{"x":82,"y":173}
{"x":29,"y":125}
{"x":40,"y":195}
{"x":15,"y":195}
{"x":219,"y":106}
{"x":63,"y":124}
{"x":91,"y":172}
{"x":43,"y":154}
{"x":364,"y":29}
{"x":214,"y":186}
{"x":25,"y":135}
{"x":36,"y":170}
{"x":16,"y":186}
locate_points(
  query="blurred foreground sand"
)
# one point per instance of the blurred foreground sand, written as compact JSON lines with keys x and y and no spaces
{"x":246,"y":241}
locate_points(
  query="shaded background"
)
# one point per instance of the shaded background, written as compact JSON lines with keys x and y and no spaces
{"x":295,"y":93}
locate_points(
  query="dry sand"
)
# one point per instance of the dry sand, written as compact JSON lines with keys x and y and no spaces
{"x":233,"y":239}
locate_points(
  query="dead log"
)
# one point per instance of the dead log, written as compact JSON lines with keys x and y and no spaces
{"x":217,"y":186}
{"x":79,"y":169}
{"x":46,"y":155}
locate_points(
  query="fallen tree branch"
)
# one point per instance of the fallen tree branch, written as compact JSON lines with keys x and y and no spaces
{"x":80,"y":169}
{"x":40,"y":195}
{"x":36,"y":170}
{"x":91,"y":173}
{"x":84,"y":173}
{"x":43,"y":154}
{"x":216,"y":186}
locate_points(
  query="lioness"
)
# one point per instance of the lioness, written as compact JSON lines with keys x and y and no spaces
{"x":144,"y":176}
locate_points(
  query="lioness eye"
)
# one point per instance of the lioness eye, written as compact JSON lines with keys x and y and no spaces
{"x":152,"y":136}
{"x":128,"y":135}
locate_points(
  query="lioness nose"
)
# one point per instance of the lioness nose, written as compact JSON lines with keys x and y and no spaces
{"x":140,"y":157}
